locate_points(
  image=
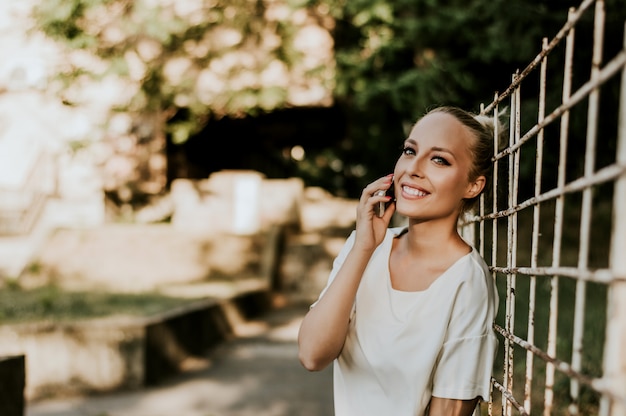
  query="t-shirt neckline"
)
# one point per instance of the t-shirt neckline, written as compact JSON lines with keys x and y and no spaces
{"x":397,"y":233}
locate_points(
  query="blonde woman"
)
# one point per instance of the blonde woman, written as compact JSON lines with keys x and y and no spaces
{"x":406,"y":316}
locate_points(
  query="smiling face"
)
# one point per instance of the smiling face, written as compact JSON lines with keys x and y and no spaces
{"x":432,"y":174}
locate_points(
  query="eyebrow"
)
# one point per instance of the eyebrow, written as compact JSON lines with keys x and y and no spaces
{"x":441,"y":149}
{"x":435,"y":148}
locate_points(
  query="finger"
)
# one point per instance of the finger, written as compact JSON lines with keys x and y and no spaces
{"x":378,"y":201}
{"x":391,"y":208}
{"x":380,"y":184}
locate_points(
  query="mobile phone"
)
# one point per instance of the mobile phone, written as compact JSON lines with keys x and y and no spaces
{"x":380,"y":208}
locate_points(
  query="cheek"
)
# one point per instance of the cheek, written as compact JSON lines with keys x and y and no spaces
{"x":463,"y":174}
{"x":397,"y":167}
{"x":457,"y":182}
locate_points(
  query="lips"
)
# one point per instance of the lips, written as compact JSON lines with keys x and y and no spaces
{"x":413,"y":191}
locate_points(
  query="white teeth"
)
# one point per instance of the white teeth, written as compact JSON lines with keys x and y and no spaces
{"x":413,"y":191}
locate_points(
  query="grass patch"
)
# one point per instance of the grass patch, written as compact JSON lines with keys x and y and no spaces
{"x":51,"y":303}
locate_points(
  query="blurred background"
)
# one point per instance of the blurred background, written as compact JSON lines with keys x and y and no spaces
{"x":146,"y":145}
{"x":154,"y":91}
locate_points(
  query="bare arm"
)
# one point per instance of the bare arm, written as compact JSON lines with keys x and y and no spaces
{"x":324,"y":328}
{"x":451,"y":407}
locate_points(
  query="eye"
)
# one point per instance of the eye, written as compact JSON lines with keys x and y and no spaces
{"x":440,"y":160}
{"x":407,"y":150}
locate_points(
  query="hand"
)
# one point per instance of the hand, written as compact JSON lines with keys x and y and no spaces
{"x":371,"y":229}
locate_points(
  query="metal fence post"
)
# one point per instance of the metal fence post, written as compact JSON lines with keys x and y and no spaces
{"x":615,"y":343}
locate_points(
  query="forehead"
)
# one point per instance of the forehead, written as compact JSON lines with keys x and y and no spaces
{"x":442,"y":128}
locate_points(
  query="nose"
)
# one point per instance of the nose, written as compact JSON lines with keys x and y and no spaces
{"x":416,"y":167}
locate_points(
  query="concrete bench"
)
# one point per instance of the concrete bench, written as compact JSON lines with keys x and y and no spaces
{"x":12,"y":383}
{"x":114,"y":353}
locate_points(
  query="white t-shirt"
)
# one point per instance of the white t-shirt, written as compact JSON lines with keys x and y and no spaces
{"x":404,"y":347}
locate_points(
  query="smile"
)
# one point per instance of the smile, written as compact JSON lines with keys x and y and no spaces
{"x":413,"y":191}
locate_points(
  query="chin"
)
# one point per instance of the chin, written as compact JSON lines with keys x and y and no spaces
{"x":407,"y":213}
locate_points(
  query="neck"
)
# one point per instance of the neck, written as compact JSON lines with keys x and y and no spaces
{"x":433,"y":236}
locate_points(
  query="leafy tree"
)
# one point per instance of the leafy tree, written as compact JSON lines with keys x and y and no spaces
{"x":183,"y":63}
{"x":396,"y":59}
{"x":393,"y":60}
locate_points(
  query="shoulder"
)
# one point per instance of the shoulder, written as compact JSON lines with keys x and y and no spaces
{"x":468,"y":282}
{"x":476,"y":281}
{"x":479,"y":262}
{"x":473,"y":268}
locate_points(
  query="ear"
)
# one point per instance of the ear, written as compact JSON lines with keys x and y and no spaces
{"x":475,"y":187}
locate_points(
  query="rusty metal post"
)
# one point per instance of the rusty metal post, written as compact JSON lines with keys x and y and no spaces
{"x":615,"y":343}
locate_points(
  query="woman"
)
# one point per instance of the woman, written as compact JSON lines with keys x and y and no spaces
{"x":407,"y":313}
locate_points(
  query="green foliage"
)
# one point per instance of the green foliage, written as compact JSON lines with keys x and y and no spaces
{"x":395,"y":60}
{"x":164,"y":53}
{"x":414,"y":54}
{"x":52,"y":303}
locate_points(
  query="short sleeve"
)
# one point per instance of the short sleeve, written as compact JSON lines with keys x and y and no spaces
{"x":465,"y":368}
{"x":465,"y":364}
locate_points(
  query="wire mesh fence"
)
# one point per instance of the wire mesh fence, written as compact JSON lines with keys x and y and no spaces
{"x":554,"y":229}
